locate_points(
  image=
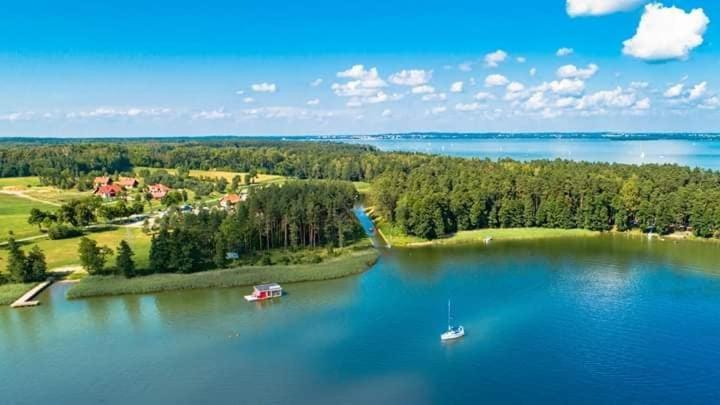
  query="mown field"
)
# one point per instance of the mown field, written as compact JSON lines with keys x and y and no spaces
{"x":14,"y":212}
{"x":216,"y":174}
{"x":64,"y":252}
{"x":18,"y":183}
{"x":352,"y":262}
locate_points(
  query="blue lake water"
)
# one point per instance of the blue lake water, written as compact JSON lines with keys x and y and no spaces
{"x":684,"y":149}
{"x":595,"y":320}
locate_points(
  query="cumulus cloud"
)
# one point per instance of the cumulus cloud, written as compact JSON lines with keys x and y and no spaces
{"x":483,"y":95}
{"x":532,"y":72}
{"x":412,"y":77}
{"x":438,"y":110}
{"x":108,"y":112}
{"x":564,"y":52}
{"x":697,"y":91}
{"x":674,"y":91}
{"x":434,"y":97}
{"x":468,"y":107}
{"x":496,"y":80}
{"x":386,"y":113}
{"x":515,"y":87}
{"x":316,"y":82}
{"x":363,"y":87}
{"x":494,"y":59}
{"x":424,"y":89}
{"x":457,"y":87}
{"x":465,"y":66}
{"x":520,"y":59}
{"x":643,"y":104}
{"x":264,"y":87}
{"x":536,"y":102}
{"x":573,"y":72}
{"x":576,"y":8}
{"x":666,"y":33}
{"x":565,"y":86}
{"x":616,"y":98}
{"x":313,"y":101}
{"x":711,"y":103}
{"x":248,"y":100}
{"x":211,"y":115}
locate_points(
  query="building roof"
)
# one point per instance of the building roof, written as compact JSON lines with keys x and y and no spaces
{"x":159,"y":187}
{"x":102,"y":180}
{"x":231,"y":198}
{"x":268,"y":287}
{"x":107,"y":189}
{"x":127,"y":181}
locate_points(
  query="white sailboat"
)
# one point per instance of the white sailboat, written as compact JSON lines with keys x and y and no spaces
{"x":453,"y":332}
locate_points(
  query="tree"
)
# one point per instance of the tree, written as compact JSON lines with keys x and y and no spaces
{"x":124,"y":261}
{"x":37,"y":217}
{"x":35,"y":265}
{"x":15,"y":261}
{"x":92,"y":256}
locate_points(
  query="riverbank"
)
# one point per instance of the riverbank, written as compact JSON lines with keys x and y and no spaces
{"x":11,"y":292}
{"x":350,"y":263}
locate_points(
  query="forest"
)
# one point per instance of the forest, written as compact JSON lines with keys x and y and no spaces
{"x":424,"y":195}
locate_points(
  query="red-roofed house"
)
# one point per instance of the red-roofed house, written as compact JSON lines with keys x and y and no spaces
{"x":230,"y":200}
{"x":102,"y":181}
{"x":108,"y":191}
{"x":159,"y":191}
{"x":128,"y":182}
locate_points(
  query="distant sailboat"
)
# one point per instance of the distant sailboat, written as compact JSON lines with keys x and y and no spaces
{"x":453,"y":332}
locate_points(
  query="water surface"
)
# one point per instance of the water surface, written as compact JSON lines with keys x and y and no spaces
{"x":606,"y":320}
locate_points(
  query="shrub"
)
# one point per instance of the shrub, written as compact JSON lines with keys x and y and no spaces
{"x":63,"y":231}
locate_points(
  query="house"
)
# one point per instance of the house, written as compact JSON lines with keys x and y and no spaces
{"x":108,"y":191}
{"x":127,"y":182}
{"x":264,"y":292}
{"x":230,"y":200}
{"x":102,"y":181}
{"x":159,"y":191}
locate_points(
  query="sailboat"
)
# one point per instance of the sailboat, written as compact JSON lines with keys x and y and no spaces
{"x":453,"y":332}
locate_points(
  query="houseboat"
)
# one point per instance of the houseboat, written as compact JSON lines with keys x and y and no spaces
{"x":264,"y":292}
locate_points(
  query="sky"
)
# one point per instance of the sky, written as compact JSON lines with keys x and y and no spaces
{"x":138,"y":68}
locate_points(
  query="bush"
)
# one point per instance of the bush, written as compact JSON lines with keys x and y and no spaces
{"x":63,"y":231}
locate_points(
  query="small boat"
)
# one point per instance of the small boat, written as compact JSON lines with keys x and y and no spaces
{"x":265,"y":291}
{"x":453,"y":332}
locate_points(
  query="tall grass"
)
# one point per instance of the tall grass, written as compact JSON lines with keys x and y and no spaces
{"x":348,"y":264}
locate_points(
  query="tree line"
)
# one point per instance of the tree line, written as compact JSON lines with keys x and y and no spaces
{"x":445,"y":195}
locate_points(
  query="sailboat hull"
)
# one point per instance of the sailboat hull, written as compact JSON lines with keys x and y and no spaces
{"x":454,"y":333}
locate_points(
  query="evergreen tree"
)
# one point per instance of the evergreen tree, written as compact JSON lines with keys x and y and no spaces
{"x":92,"y":256}
{"x":15,"y":261}
{"x":35,"y":265}
{"x":124,"y":261}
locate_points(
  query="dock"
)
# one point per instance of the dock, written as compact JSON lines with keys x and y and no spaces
{"x":26,"y":299}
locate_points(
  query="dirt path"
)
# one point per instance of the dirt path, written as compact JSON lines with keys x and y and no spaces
{"x":23,"y":195}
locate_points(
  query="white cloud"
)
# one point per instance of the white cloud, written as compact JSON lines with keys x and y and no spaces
{"x":639,"y":85}
{"x":314,"y":101}
{"x":240,"y":92}
{"x":564,"y":52}
{"x":567,"y":86}
{"x":18,"y":116}
{"x":412,"y":77}
{"x":107,"y":112}
{"x":536,"y":102}
{"x":434,"y":97}
{"x":515,"y":87}
{"x":532,"y":72}
{"x":465,"y":66}
{"x":316,"y":82}
{"x":666,"y":33}
{"x":483,"y":95}
{"x":438,"y":110}
{"x":457,"y":87}
{"x":380,"y":97}
{"x":364,"y":86}
{"x":572,"y":71}
{"x":643,"y":104}
{"x":674,"y":91}
{"x":616,"y":98}
{"x":565,"y":102}
{"x":710,"y":103}
{"x":520,"y":59}
{"x":211,"y":115}
{"x":264,"y":87}
{"x":494,"y":59}
{"x":496,"y":80}
{"x":698,"y":91}
{"x":468,"y":107}
{"x":424,"y":89}
{"x":576,"y":8}
{"x":248,"y":100}
{"x":386,"y":113}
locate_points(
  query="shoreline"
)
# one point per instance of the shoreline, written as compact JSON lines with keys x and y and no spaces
{"x":352,"y":263}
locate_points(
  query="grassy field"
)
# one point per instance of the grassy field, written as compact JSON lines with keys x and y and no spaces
{"x":216,"y":174}
{"x":479,"y":235}
{"x":64,"y":252}
{"x":362,"y":187}
{"x":348,"y":264}
{"x":10,"y":292}
{"x":18,"y":183}
{"x":55,"y":195}
{"x":14,"y":212}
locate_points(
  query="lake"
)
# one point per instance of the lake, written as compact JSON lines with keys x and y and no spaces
{"x":697,"y":150}
{"x":609,"y":319}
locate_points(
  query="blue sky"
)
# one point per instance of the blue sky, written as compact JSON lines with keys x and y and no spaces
{"x":321,"y":67}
